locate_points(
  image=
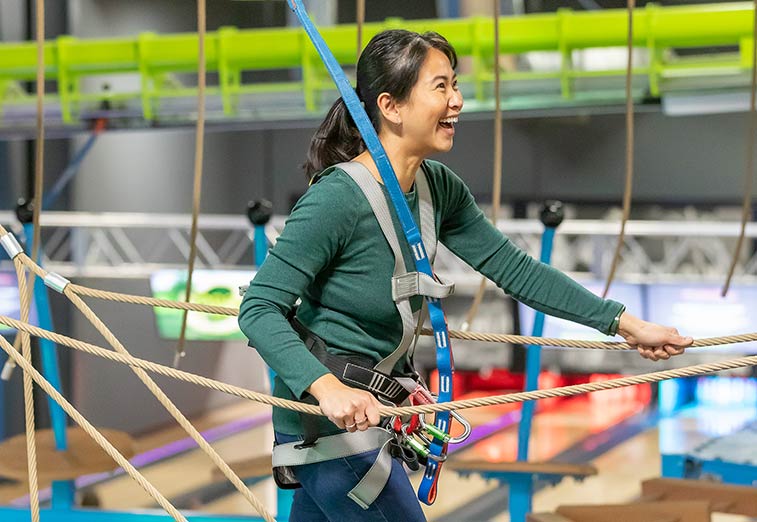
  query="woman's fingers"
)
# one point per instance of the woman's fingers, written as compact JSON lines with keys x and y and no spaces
{"x":673,"y":349}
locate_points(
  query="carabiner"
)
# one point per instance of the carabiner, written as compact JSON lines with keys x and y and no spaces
{"x":438,"y":434}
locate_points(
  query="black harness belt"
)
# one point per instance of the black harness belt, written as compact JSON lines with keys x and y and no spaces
{"x":354,"y":370}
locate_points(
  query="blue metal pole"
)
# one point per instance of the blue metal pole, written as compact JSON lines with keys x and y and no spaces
{"x":533,"y":359}
{"x":521,"y":488}
{"x":3,"y":358}
{"x":284,"y":497}
{"x":62,"y":491}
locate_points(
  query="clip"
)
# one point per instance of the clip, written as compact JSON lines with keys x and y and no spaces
{"x":11,"y":245}
{"x":56,"y":282}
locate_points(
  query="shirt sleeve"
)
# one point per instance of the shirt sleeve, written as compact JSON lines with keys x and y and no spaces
{"x":469,"y":235}
{"x":317,"y":228}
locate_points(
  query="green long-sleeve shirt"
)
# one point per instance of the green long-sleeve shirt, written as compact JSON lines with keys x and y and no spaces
{"x":333,"y":255}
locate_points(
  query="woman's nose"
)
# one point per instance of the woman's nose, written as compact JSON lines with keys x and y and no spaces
{"x":456,"y":100}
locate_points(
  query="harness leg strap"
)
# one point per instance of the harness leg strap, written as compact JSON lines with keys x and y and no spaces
{"x":345,"y":445}
{"x":373,"y":482}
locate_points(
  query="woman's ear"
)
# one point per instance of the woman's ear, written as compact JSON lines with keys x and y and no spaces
{"x":388,"y":107}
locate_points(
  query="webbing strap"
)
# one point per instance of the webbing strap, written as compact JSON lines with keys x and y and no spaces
{"x":373,"y":482}
{"x":372,"y":191}
{"x":444,"y":363}
{"x":426,"y":212}
{"x":330,"y":447}
{"x":340,"y":446}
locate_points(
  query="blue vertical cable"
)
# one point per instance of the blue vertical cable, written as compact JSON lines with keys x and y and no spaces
{"x":259,"y":213}
{"x":444,"y":364}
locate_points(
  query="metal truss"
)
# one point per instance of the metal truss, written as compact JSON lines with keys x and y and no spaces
{"x":133,"y":245}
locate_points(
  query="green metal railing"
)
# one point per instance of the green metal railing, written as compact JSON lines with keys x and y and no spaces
{"x":156,"y":59}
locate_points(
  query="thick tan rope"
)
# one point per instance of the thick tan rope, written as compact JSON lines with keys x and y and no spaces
{"x":197,"y":188}
{"x":573,"y":343}
{"x":456,"y":334}
{"x":31,"y":441}
{"x":151,"y":301}
{"x":39,"y":153}
{"x":629,"y":152}
{"x":91,"y":430}
{"x":565,"y":391}
{"x":577,"y":389}
{"x":156,"y":368}
{"x":25,"y":290}
{"x":171,"y":408}
{"x":360,"y":19}
{"x":39,"y":146}
{"x":746,"y":205}
{"x":496,"y":171}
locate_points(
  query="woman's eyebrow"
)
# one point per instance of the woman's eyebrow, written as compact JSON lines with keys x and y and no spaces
{"x":442,"y":77}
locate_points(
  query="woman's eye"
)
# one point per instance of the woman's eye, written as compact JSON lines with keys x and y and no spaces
{"x":440,"y":86}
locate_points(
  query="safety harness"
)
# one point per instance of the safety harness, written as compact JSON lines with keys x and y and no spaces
{"x":406,"y":438}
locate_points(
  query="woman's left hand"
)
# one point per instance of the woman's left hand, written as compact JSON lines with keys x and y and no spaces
{"x":653,"y":341}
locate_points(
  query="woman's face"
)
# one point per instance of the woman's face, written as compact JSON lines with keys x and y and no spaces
{"x":429,"y":115}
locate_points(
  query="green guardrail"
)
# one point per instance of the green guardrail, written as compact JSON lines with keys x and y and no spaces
{"x":230,"y":52}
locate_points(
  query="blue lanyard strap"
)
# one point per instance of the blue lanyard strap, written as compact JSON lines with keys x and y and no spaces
{"x":444,"y":363}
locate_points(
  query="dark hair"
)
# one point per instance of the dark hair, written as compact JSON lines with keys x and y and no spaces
{"x":389,"y":63}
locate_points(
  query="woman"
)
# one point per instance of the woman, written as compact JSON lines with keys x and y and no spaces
{"x":333,"y":255}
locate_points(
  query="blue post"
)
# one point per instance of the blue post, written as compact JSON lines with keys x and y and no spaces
{"x":62,"y":491}
{"x":259,"y":213}
{"x":3,"y":358}
{"x":521,"y":488}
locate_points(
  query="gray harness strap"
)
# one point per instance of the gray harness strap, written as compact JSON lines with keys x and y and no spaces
{"x":345,"y":445}
{"x":404,"y":284}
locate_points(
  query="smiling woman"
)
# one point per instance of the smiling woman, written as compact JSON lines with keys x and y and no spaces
{"x":349,"y":344}
{"x":390,"y":68}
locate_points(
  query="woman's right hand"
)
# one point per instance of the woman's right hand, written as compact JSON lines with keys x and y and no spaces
{"x":348,"y":408}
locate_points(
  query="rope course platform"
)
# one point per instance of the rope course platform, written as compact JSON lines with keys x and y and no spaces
{"x":554,"y":73}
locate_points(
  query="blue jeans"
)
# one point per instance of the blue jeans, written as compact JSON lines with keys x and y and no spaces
{"x":323,"y":495}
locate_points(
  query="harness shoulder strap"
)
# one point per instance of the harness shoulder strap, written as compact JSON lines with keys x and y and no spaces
{"x":404,"y":284}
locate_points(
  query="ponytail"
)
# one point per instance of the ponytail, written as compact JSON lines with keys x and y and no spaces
{"x":336,"y":140}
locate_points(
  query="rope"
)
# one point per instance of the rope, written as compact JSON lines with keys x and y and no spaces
{"x":151,"y":301}
{"x":360,"y":15}
{"x":31,"y":443}
{"x":25,"y":290}
{"x":197,"y":189}
{"x":171,"y":408}
{"x":39,"y":155}
{"x":746,"y":205}
{"x":577,"y":389}
{"x":159,"y":369}
{"x":455,"y":334}
{"x":91,"y":430}
{"x":573,"y":343}
{"x":496,"y":171}
{"x":565,"y":391}
{"x":629,"y":151}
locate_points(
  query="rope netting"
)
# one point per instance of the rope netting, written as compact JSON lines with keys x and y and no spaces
{"x":20,"y":353}
{"x":73,"y":291}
